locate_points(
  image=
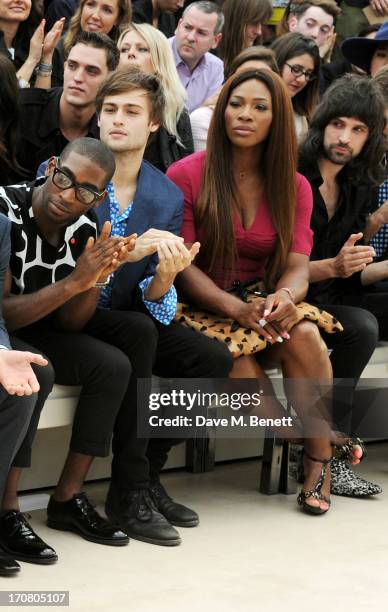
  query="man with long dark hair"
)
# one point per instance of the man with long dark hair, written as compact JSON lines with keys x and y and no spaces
{"x":341,"y":158}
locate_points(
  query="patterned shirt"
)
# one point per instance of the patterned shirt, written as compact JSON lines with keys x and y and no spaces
{"x":380,"y":239}
{"x":36,"y":263}
{"x":164,"y":309}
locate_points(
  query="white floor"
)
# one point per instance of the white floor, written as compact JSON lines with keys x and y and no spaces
{"x":251,"y":552}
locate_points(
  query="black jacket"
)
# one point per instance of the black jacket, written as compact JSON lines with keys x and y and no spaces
{"x":41,"y":137}
{"x":355,"y":204}
{"x":56,"y":9}
{"x":142,"y":13}
{"x":331,"y":72}
{"x":20,"y":53}
{"x":58,"y":64}
{"x":163,"y":149}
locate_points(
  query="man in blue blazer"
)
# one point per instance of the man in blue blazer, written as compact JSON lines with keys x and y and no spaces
{"x":18,"y":390}
{"x":144,"y":201}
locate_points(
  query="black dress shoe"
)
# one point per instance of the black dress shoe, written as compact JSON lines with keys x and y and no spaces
{"x":135,"y":512}
{"x":78,"y":515}
{"x":19,"y":540}
{"x":176,"y":514}
{"x":8,"y":566}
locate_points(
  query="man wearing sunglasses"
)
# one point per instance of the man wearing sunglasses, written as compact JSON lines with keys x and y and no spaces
{"x":57,"y":268}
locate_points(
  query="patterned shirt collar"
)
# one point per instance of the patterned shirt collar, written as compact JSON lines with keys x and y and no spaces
{"x":114,"y":207}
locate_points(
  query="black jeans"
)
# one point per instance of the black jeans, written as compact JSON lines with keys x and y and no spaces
{"x":102,"y":370}
{"x":351,"y":351}
{"x":375,"y":300}
{"x":182,"y":353}
{"x":15,"y":414}
{"x":45,"y":377}
{"x":115,"y":349}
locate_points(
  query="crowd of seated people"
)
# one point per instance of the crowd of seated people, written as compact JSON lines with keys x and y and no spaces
{"x":154,"y":153}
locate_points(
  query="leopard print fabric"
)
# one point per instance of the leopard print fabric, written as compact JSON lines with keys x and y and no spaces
{"x":242,"y":341}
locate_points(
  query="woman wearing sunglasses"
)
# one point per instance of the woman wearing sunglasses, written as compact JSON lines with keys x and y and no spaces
{"x":299,"y":63}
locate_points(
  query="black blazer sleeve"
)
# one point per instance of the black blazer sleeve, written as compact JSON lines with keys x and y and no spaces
{"x":5,"y":250}
{"x":185,"y":134}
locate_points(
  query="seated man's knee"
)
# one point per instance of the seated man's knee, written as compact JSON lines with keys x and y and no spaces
{"x":362,"y":326}
{"x":45,"y":376}
{"x":142,"y":331}
{"x":149,"y":332}
{"x":370,"y":326}
{"x":220,"y":360}
{"x":21,"y":407}
{"x":119,"y":368}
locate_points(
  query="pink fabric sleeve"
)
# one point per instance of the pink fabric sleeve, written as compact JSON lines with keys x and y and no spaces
{"x":185,"y":177}
{"x":303,"y":235}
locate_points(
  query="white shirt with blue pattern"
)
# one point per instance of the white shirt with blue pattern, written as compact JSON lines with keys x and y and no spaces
{"x":380,"y":239}
{"x":164,"y":309}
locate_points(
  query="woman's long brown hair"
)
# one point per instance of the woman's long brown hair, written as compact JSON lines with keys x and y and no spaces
{"x":218,"y":195}
{"x":238,"y":14}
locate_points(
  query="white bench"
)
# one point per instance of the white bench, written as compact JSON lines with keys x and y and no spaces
{"x":378,"y":364}
{"x":60,"y":407}
{"x":62,"y":401}
{"x":53,"y":435}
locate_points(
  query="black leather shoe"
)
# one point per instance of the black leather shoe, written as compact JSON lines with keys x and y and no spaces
{"x":176,"y":514}
{"x":78,"y":515}
{"x":19,"y":540}
{"x":135,"y":512}
{"x":8,"y":566}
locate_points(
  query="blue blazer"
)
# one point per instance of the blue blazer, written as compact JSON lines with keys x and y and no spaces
{"x":158,"y":204}
{"x":5,"y":250}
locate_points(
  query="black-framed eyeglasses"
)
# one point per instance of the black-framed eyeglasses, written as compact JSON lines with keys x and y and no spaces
{"x":298,"y":72}
{"x":85,"y":195}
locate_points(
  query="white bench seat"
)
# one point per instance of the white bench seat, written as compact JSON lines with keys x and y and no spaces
{"x":60,"y":406}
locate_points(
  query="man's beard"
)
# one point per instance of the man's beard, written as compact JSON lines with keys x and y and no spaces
{"x":341,"y":159}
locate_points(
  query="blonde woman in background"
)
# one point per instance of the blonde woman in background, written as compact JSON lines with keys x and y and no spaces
{"x":101,"y":16}
{"x":145,"y":47}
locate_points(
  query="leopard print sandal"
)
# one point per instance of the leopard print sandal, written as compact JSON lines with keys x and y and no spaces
{"x":316,"y":491}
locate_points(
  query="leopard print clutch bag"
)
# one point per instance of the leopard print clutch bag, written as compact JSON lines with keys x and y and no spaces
{"x":242,"y":341}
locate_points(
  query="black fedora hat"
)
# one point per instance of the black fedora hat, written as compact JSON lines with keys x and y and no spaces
{"x":359,"y":51}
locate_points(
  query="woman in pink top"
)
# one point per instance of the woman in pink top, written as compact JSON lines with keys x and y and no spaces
{"x":246,"y":204}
